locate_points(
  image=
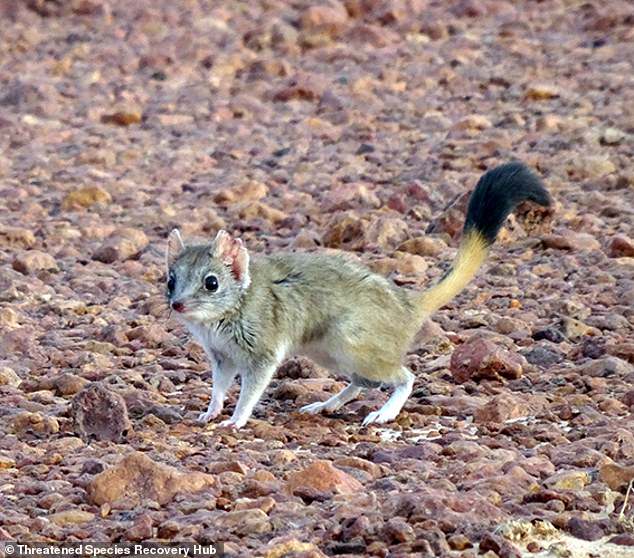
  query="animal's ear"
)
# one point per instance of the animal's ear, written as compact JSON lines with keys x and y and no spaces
{"x":232,"y":252}
{"x":175,"y":246}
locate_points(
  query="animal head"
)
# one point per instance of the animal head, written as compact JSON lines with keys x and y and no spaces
{"x":206,"y":281}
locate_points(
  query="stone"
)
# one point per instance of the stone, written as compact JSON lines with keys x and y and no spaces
{"x":71,"y":517}
{"x":568,"y":480}
{"x":571,"y":241}
{"x":591,"y":167}
{"x":141,"y":529}
{"x":423,"y":246}
{"x":345,"y":230}
{"x":33,"y":261}
{"x":501,"y":408}
{"x":123,"y":244}
{"x":8,"y":377}
{"x":575,"y":329}
{"x":541,"y":92}
{"x":122,"y":117}
{"x":85,"y":197}
{"x":387,"y":232}
{"x":586,"y":529}
{"x":249,"y":211}
{"x":322,"y":477}
{"x":482,"y":359}
{"x":617,"y":477}
{"x":291,"y":547}
{"x":26,"y":424}
{"x":68,"y":384}
{"x":137,"y":478}
{"x":451,"y":219}
{"x":100,"y":414}
{"x":350,"y":196}
{"x":397,"y":530}
{"x":612,"y":136}
{"x":473,"y":122}
{"x":245,"y":522}
{"x":329,"y":18}
{"x":459,"y":542}
{"x":500,"y":546}
{"x":16,"y":237}
{"x":621,"y":246}
{"x":302,"y":86}
{"x":607,"y":367}
{"x":624,"y":539}
{"x":248,"y":191}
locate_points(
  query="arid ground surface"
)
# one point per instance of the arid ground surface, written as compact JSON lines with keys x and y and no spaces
{"x":360,"y":127}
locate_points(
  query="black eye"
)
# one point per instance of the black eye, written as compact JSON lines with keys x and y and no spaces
{"x":171,"y":282}
{"x":211,"y":283}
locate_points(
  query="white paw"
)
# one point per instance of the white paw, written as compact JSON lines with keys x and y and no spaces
{"x":208,"y":415}
{"x":379,"y":417}
{"x":232,"y":423}
{"x":313,"y":408}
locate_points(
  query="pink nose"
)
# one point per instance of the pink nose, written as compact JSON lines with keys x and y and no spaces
{"x":178,"y":306}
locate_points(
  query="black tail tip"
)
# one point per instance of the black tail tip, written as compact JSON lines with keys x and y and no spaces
{"x":497,"y":194}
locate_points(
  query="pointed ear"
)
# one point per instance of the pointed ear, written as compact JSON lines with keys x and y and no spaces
{"x":232,"y":252}
{"x":175,"y":246}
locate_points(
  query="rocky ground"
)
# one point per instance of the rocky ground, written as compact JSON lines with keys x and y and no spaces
{"x":356,"y":126}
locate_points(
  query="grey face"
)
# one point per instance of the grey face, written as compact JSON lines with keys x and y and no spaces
{"x":200,"y":287}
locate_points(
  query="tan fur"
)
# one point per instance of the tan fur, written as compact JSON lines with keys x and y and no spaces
{"x":471,"y":255}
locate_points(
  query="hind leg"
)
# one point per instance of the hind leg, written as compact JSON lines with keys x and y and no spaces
{"x":403,"y":382}
{"x":337,"y":401}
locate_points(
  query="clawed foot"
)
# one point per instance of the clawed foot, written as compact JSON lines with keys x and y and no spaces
{"x":379,"y":417}
{"x":208,"y":415}
{"x":232,"y":423}
{"x":315,"y":408}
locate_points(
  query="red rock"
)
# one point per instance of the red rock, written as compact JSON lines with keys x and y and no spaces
{"x":628,"y":398}
{"x":248,"y":191}
{"x":499,"y":545}
{"x":451,"y":220}
{"x":141,"y":529}
{"x":482,"y":359}
{"x":137,"y":479}
{"x":123,"y":244}
{"x":502,"y":408}
{"x":624,"y":539}
{"x":100,"y":414}
{"x":621,"y":246}
{"x":585,"y":529}
{"x":397,"y":530}
{"x":303,"y":87}
{"x":423,"y":246}
{"x":122,"y":117}
{"x":345,"y":230}
{"x":322,"y":477}
{"x":459,"y":542}
{"x":33,"y":261}
{"x":387,"y":232}
{"x":571,"y":241}
{"x":329,"y":18}
{"x":617,"y":477}
{"x":350,"y":196}
{"x":245,"y":522}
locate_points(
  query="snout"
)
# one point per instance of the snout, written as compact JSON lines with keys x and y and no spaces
{"x":178,"y":306}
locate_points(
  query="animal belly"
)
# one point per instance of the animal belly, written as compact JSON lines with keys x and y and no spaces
{"x":320,"y":355}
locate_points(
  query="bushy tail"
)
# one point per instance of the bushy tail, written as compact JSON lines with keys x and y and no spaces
{"x":496,"y":195}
